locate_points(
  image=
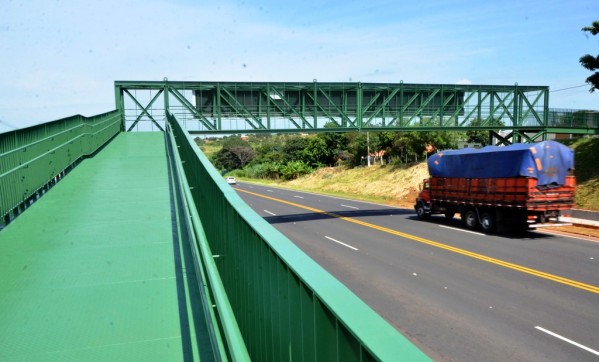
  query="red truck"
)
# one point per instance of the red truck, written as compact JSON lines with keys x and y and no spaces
{"x":499,"y":188}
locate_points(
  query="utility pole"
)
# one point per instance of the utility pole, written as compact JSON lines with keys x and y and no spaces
{"x":368,"y":148}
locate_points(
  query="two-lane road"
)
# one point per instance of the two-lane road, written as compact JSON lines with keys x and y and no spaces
{"x":456,"y":294}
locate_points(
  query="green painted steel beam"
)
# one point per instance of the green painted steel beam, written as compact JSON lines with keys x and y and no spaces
{"x":287,"y":107}
{"x":579,"y":131}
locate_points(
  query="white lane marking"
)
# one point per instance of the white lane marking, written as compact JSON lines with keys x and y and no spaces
{"x":344,"y":244}
{"x":299,"y":197}
{"x":351,"y":207}
{"x":268,"y":212}
{"x":269,"y":191}
{"x":564,"y":234}
{"x":462,"y":230}
{"x":567,"y":340}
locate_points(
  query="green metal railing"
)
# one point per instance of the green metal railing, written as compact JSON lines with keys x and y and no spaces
{"x":284,"y":304}
{"x":225,"y":337}
{"x":573,"y":121}
{"x":33,"y":158}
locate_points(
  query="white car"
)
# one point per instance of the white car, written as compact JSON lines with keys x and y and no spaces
{"x":231,"y":180}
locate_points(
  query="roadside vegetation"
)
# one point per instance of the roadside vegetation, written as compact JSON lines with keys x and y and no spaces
{"x":586,"y":161}
{"x":336,"y":163}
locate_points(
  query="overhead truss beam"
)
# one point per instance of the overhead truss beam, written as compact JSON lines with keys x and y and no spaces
{"x":244,"y":107}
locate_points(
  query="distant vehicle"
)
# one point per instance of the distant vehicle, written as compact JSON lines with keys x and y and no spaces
{"x":518,"y":186}
{"x":231,"y":180}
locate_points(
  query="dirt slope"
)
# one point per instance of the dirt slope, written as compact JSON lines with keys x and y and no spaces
{"x":395,"y":185}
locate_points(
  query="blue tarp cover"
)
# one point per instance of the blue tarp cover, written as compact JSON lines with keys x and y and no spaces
{"x":548,"y":161}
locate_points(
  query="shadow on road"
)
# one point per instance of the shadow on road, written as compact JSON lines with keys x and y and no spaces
{"x":311,"y":216}
{"x":457,"y":223}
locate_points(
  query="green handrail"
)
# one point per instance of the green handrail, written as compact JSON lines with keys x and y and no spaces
{"x":286,"y":306}
{"x":33,"y":157}
{"x":229,"y":343}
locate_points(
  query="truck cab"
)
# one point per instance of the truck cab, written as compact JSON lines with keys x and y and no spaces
{"x":422,"y":205}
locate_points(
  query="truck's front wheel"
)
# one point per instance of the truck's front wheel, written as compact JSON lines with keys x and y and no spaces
{"x":421,"y":211}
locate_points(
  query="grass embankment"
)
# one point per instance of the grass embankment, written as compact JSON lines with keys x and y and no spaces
{"x":399,"y":185}
{"x":587,"y":172}
{"x":393,"y":185}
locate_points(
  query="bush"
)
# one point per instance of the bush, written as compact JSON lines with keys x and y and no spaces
{"x":269,"y":170}
{"x":238,"y":173}
{"x":295,"y":169}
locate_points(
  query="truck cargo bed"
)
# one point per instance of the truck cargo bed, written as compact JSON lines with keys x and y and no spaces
{"x":514,"y":192}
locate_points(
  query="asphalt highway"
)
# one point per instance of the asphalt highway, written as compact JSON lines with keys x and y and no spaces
{"x":457,"y":294}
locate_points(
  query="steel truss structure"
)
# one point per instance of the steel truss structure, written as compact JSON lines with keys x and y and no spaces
{"x":520,"y":112}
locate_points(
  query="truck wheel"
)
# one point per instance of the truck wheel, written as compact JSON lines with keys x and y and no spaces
{"x":449,"y":215}
{"x":470,"y":219}
{"x":487,"y":222}
{"x":421,"y":211}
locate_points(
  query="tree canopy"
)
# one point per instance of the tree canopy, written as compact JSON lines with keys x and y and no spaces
{"x":592,"y":62}
{"x":290,"y":156}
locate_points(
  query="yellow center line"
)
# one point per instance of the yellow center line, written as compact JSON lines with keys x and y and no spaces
{"x":505,"y":264}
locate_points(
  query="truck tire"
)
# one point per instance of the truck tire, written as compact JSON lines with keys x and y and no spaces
{"x":421,"y":211}
{"x":470,"y":219}
{"x":487,"y":222}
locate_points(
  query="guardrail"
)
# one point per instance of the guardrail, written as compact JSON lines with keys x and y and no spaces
{"x":33,"y":158}
{"x":572,"y":118}
{"x":284,"y":304}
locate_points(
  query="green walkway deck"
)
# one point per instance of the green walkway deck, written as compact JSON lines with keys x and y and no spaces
{"x":94,"y":270}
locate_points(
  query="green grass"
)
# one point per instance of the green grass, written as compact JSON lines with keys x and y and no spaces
{"x":399,"y":185}
{"x":381,"y":184}
{"x":586,"y":153}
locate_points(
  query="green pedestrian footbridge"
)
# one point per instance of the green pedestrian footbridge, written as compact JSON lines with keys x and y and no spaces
{"x":130,"y":246}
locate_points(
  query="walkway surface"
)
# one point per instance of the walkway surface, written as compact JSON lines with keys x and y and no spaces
{"x":93,"y":270}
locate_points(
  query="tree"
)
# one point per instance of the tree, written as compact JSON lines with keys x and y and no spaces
{"x":355,"y":146}
{"x":590,"y":62}
{"x":244,"y":154}
{"x":317,"y":152}
{"x":479,"y":135}
{"x":235,"y":154}
{"x":412,"y":145}
{"x":294,"y":147}
{"x":271,"y":150}
{"x":333,"y":142}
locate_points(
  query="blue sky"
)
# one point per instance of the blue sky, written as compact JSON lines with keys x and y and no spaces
{"x":60,"y":58}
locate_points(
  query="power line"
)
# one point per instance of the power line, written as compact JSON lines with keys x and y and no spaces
{"x":576,"y":86}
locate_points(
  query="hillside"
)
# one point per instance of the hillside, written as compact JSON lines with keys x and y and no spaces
{"x":393,"y":185}
{"x":587,"y":173}
{"x":399,"y":185}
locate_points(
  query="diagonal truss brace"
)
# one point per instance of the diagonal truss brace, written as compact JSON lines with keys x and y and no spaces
{"x":382,"y":106}
{"x":240,"y":108}
{"x":187,"y":104}
{"x":531,"y":108}
{"x":290,"y":117}
{"x":144,"y":110}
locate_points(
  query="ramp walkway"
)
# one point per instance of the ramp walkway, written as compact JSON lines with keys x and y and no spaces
{"x":95,"y":269}
{"x":122,"y":246}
